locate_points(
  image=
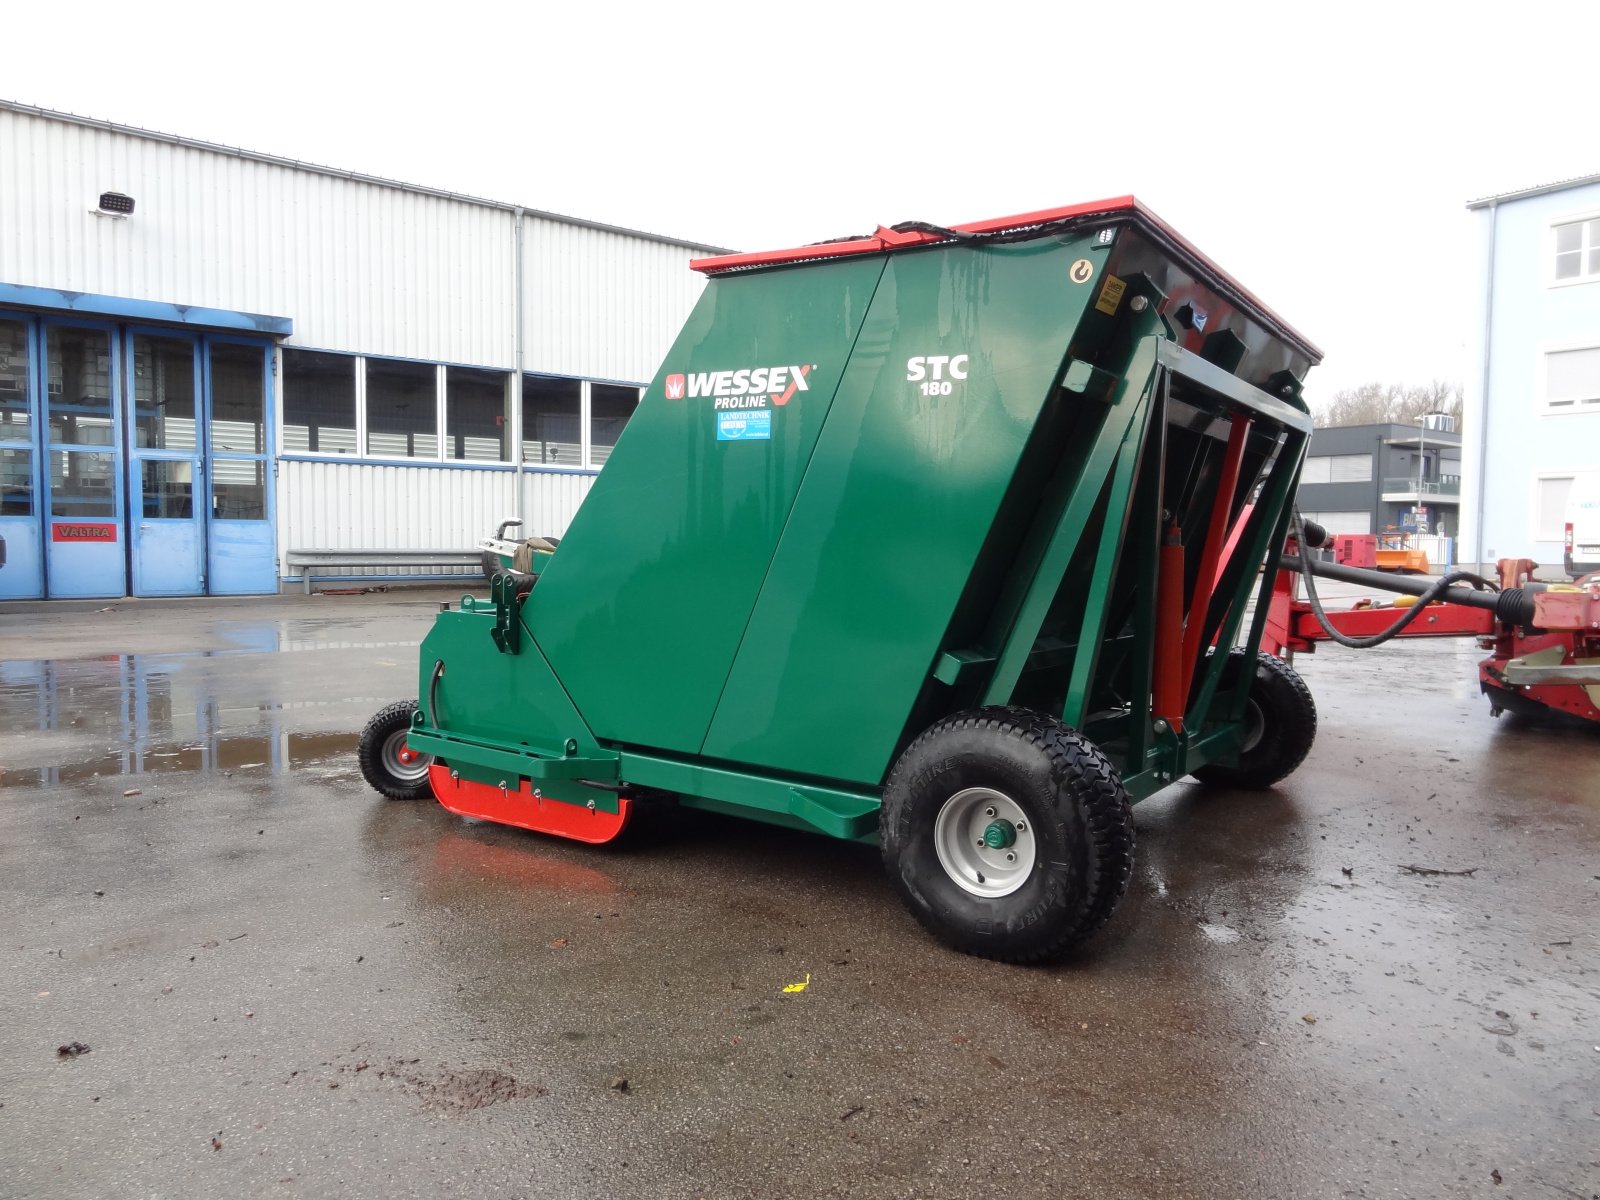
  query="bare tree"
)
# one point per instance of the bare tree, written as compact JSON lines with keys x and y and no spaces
{"x":1382,"y":403}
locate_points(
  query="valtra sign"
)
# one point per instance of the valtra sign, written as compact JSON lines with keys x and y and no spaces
{"x":80,"y":531}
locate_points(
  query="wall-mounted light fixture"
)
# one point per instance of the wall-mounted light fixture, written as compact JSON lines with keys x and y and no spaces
{"x":115,"y":205}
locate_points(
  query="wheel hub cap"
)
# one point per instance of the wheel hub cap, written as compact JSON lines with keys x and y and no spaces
{"x":1000,"y":835}
{"x":985,"y":842}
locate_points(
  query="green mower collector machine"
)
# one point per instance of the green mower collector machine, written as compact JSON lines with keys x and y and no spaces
{"x":937,"y":538}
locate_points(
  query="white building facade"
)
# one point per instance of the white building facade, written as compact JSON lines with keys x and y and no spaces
{"x":1533,"y":383}
{"x":264,"y":356}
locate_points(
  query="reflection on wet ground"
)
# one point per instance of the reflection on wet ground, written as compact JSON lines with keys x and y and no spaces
{"x":292,"y":987}
{"x":215,"y":709}
{"x":136,"y":713}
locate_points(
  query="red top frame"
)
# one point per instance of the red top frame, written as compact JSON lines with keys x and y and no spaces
{"x":1127,"y":208}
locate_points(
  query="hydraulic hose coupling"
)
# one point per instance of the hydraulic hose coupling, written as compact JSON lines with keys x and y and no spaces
{"x":1514,"y":606}
{"x":1315,"y":535}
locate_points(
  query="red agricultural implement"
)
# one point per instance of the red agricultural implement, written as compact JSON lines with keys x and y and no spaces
{"x":1543,"y":639}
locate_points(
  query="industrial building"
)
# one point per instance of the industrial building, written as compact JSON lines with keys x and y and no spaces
{"x":1385,"y":477}
{"x":1533,"y":380}
{"x":211,"y":358}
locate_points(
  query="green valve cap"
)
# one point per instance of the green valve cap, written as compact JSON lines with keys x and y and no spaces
{"x":999,"y":835}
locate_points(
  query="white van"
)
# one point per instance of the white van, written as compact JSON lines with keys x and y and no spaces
{"x":1583,"y":524}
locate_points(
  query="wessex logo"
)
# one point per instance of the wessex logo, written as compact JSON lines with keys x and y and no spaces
{"x":751,"y":387}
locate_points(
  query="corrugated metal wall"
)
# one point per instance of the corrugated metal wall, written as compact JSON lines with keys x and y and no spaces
{"x":361,"y":267}
{"x":344,"y":506}
{"x":358,"y":267}
{"x":602,"y":304}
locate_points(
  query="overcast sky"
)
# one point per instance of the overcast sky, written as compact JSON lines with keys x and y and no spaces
{"x":1322,"y":153}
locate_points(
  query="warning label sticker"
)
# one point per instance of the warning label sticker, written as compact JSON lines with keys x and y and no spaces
{"x":754,"y":425}
{"x":1111,"y":295}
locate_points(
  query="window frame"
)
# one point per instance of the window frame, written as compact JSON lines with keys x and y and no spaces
{"x":1568,"y":473}
{"x":509,"y":400}
{"x":588,"y":418}
{"x":359,"y":378}
{"x":1325,"y":517}
{"x":1546,"y":407}
{"x":516,"y":403}
{"x":1328,"y":460}
{"x":1549,"y":249}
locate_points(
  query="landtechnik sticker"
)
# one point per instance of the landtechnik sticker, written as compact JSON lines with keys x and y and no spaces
{"x":749,"y":426}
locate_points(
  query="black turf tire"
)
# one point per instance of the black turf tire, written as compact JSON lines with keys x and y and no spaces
{"x":1072,"y":796}
{"x":1281,"y":716}
{"x":377,"y":746}
{"x":491,"y":564}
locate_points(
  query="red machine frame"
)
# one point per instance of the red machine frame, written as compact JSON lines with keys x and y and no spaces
{"x":1551,"y":664}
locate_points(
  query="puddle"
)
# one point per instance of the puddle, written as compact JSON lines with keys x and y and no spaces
{"x":275,"y":755}
{"x":73,"y":720}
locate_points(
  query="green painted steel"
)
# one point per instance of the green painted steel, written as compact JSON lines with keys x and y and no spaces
{"x":834,"y":811}
{"x":506,"y":712}
{"x":898,"y":505}
{"x":641,"y":610}
{"x":866,"y":493}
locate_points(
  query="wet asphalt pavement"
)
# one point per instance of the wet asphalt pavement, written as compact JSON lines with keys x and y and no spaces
{"x":291,"y":987}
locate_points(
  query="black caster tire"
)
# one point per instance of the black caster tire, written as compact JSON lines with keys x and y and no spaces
{"x":386,"y":763}
{"x":1054,"y":823}
{"x":1280,"y":723}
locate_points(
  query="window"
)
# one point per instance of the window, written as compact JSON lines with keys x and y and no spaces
{"x":402,"y":414}
{"x":1577,"y":250}
{"x":238,"y":432}
{"x":1550,"y":506}
{"x":16,"y":482}
{"x":329,"y":399}
{"x":475,"y":414}
{"x":16,"y":460}
{"x":1341,"y":522}
{"x":163,"y":392}
{"x":610,"y":406}
{"x":1572,"y":379}
{"x":1337,"y":468}
{"x":319,"y":403}
{"x":14,"y":422}
{"x":551,"y":411}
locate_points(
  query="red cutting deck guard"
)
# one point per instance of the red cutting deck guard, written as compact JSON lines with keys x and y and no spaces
{"x":527,"y":811}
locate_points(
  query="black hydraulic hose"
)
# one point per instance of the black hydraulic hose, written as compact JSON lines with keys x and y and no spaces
{"x":1425,"y":598}
{"x":433,"y":694}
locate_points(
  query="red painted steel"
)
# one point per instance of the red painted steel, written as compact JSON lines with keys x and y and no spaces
{"x":883,"y":239}
{"x":1440,"y":620}
{"x":1211,"y":561}
{"x":1170,"y":686}
{"x":526,"y":810}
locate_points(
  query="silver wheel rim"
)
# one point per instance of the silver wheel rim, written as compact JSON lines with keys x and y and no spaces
{"x":1255,"y":726}
{"x":394,"y":762}
{"x":969,"y":857}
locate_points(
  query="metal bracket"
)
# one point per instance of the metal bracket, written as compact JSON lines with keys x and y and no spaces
{"x":1522,"y":672}
{"x":507,"y":631}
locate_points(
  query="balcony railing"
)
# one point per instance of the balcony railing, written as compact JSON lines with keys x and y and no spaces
{"x":1444,"y":486}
